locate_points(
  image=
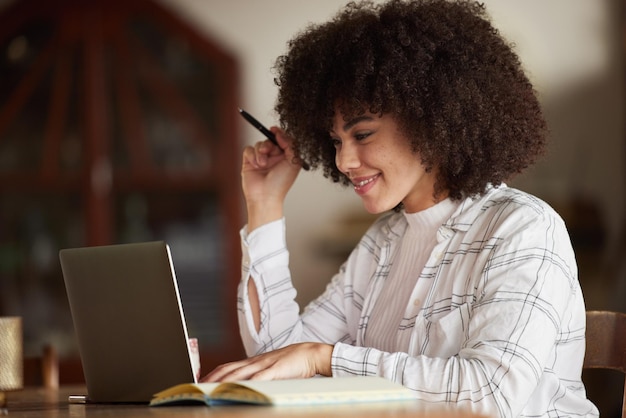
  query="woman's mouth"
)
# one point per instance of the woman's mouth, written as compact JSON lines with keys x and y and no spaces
{"x":362,"y":185}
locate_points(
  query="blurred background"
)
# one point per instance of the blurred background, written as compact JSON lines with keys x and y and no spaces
{"x":118,"y":123}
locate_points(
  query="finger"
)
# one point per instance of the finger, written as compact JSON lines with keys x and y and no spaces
{"x":260,"y":153}
{"x":285,"y":142}
{"x":256,"y":155}
{"x":261,"y":367}
{"x":243,"y":373}
{"x":266,"y":151}
{"x":235,"y":371}
{"x":249,"y":157}
{"x":223,"y":370}
{"x":265,"y":374}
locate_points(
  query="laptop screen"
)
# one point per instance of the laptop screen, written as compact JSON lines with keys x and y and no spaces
{"x":128,"y":320}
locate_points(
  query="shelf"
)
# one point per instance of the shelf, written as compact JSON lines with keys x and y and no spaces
{"x":117,"y":124}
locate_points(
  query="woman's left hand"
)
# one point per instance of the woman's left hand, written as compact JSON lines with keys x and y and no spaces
{"x":294,"y":361}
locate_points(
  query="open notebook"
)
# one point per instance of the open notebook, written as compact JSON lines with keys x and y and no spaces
{"x":291,"y":392}
{"x":128,"y":320}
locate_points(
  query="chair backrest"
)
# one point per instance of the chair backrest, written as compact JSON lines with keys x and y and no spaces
{"x":606,"y":344}
{"x":42,"y":371}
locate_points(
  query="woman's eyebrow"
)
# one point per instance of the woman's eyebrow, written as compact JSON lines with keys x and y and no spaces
{"x":356,"y":120}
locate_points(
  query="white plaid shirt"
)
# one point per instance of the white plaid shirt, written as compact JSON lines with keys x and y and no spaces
{"x":496,"y":319}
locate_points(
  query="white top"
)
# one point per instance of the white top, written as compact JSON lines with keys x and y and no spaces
{"x":407,"y":263}
{"x":495,"y":322}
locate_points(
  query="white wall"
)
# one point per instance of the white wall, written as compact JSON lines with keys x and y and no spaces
{"x":566,"y":45}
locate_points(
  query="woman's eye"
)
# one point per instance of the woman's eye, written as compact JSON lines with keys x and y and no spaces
{"x":361,"y":135}
{"x":336,"y":142}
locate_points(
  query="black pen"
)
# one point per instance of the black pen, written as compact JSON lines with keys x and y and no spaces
{"x":268,"y":134}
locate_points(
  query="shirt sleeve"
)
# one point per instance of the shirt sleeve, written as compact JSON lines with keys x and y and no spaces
{"x":518,"y":328}
{"x":265,"y":260}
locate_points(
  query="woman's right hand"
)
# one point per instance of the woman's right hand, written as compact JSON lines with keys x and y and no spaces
{"x":267,"y":173}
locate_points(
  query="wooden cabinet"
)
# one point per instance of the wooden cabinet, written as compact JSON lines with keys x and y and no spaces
{"x":117,"y":124}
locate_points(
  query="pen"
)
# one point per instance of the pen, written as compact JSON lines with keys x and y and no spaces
{"x":268,"y":134}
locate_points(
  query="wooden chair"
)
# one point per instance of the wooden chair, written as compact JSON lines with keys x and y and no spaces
{"x":42,"y":371}
{"x":606,"y":344}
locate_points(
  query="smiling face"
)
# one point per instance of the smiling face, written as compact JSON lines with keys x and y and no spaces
{"x":378,"y":160}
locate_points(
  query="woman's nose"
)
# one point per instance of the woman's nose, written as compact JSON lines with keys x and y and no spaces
{"x":347,"y":158}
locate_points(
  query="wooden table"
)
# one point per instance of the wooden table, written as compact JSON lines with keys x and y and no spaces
{"x":53,"y":403}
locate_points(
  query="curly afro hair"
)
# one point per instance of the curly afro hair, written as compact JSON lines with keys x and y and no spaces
{"x":451,"y":82}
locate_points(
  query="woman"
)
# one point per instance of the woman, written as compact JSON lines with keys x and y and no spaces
{"x":464,"y":290}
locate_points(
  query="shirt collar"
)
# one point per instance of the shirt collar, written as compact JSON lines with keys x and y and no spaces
{"x":466,"y":214}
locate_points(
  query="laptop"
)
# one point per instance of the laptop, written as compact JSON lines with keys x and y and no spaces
{"x":128,"y":319}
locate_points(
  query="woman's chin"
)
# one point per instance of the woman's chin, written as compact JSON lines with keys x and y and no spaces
{"x":376,"y":208}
